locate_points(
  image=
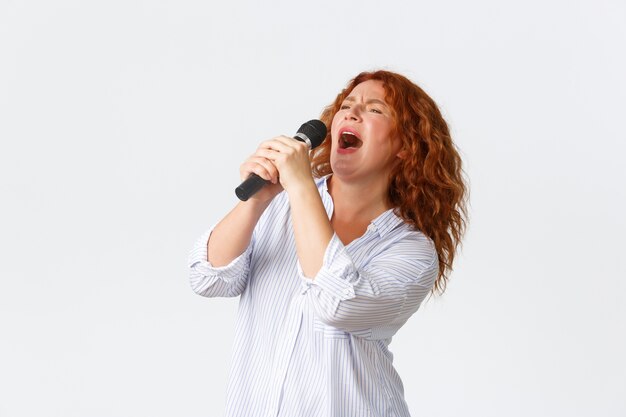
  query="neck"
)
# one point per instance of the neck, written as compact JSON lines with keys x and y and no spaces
{"x":358,"y":201}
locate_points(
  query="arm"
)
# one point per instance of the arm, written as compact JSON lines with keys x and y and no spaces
{"x":311,"y":227}
{"x":219,"y":262}
{"x":232,"y":235}
{"x":384,"y":292}
{"x":224,"y":281}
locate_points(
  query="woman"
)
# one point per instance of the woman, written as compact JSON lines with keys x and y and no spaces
{"x":335,"y":255}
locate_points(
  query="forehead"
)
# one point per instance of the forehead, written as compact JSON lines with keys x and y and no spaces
{"x":369,"y":89}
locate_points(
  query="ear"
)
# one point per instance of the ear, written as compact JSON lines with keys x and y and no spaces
{"x":402,"y":154}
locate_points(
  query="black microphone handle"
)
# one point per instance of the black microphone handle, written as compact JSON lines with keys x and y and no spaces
{"x":249,"y":187}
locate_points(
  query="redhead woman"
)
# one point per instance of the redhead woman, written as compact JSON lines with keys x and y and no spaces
{"x":334,"y":255}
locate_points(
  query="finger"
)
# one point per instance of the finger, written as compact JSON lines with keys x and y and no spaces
{"x":281,"y":144}
{"x":269,"y":167}
{"x":269,"y":154}
{"x":292,"y":143}
{"x":254,"y":167}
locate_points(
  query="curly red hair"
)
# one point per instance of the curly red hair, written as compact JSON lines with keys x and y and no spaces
{"x":427,"y":188}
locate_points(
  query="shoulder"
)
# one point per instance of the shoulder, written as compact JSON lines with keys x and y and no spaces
{"x":405,"y":248}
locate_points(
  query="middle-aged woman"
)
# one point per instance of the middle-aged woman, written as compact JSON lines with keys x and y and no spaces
{"x":335,"y":255}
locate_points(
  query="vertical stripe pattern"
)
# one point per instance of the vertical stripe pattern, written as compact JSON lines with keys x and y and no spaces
{"x":318,"y":347}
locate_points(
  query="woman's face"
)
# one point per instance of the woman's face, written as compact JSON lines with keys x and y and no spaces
{"x":362,"y":146}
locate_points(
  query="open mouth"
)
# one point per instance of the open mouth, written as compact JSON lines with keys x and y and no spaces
{"x":349,"y":140}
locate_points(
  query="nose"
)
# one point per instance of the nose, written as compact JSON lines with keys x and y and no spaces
{"x":354,"y":113}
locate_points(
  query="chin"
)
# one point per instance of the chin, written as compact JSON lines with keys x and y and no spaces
{"x":343,"y":170}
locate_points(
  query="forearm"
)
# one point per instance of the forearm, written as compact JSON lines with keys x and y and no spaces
{"x":232,"y":235}
{"x":311,"y":227}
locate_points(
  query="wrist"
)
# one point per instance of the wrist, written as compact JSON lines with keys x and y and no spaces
{"x":302,"y":189}
{"x":254,"y":207}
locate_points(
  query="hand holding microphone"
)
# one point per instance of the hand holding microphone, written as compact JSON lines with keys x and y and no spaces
{"x":284,"y":154}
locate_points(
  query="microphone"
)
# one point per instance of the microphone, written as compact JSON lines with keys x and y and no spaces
{"x":312,"y":133}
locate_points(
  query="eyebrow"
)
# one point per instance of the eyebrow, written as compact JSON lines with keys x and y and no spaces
{"x":373,"y":100}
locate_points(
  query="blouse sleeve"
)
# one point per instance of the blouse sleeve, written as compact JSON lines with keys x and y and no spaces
{"x":223,"y":281}
{"x":387,"y":291}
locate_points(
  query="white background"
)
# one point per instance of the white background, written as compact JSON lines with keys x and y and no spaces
{"x":122,"y":126}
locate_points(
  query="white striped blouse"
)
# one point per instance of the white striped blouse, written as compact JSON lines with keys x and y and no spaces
{"x":319,"y":348}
